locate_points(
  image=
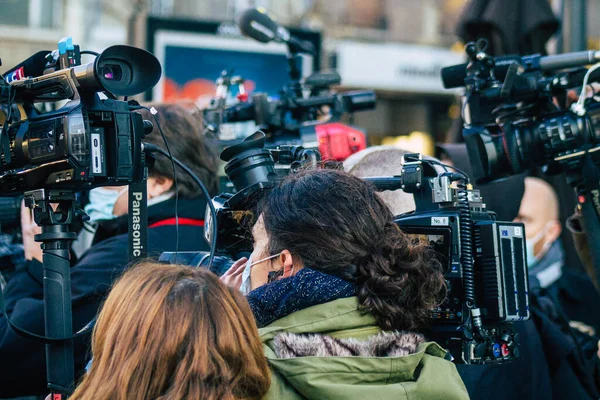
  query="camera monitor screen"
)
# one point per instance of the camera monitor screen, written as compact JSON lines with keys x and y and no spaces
{"x":436,"y":238}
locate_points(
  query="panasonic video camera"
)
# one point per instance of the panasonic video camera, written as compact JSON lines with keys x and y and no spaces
{"x":484,"y":262}
{"x":94,"y":139}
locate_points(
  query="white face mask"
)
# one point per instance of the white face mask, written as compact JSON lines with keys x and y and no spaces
{"x":245,"y":287}
{"x":102,"y":203}
{"x":532,"y":259}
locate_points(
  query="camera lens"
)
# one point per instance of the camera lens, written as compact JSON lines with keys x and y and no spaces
{"x":112,"y":72}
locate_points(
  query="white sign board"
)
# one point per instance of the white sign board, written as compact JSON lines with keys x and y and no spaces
{"x":396,"y":67}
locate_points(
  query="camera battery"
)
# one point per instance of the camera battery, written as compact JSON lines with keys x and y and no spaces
{"x":97,"y":153}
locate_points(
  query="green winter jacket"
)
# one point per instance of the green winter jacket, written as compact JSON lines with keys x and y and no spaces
{"x":424,"y":374}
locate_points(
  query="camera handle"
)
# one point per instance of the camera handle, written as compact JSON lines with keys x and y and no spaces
{"x":56,"y":241}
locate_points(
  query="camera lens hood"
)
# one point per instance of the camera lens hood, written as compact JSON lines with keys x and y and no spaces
{"x":248,"y":162}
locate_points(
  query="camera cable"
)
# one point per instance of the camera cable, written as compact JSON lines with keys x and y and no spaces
{"x":153,"y":112}
{"x":579,"y":107}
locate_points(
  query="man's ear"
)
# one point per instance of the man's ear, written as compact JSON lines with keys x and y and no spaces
{"x":158,"y":185}
{"x":553,"y":232}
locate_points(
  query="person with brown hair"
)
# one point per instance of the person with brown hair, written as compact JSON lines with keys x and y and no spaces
{"x":103,"y":257}
{"x":174,"y":332}
{"x":340,"y":294}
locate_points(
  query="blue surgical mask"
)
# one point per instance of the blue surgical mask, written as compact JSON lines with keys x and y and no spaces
{"x":245,"y":286}
{"x":532,"y":259}
{"x":102,"y":203}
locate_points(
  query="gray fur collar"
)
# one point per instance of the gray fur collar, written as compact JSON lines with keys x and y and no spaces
{"x":384,"y":344}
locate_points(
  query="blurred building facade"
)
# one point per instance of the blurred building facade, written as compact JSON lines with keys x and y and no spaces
{"x":388,"y":26}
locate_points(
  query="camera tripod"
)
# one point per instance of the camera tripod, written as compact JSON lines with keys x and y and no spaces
{"x":54,"y":210}
{"x":56,"y":241}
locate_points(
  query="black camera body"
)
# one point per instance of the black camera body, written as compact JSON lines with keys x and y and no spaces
{"x":92,"y":140}
{"x":252,"y":169}
{"x":513,"y":121}
{"x":517,"y":117}
{"x":85,"y":143}
{"x":485,"y":294}
{"x":294,"y":119}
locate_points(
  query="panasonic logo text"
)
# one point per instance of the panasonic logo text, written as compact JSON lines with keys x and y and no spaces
{"x":135,"y":226}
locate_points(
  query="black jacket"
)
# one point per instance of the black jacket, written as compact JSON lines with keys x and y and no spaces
{"x":23,"y":361}
{"x":571,"y":371}
{"x":571,"y":354}
{"x":577,"y":298}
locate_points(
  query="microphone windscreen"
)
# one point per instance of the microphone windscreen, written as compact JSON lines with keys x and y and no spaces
{"x":454,"y":76}
{"x":257,"y":24}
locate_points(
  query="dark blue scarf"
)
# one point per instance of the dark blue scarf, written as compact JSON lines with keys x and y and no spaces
{"x":307,"y":288}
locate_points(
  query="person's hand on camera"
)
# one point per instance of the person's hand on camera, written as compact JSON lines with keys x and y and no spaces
{"x":33,"y":249}
{"x":233,"y":276}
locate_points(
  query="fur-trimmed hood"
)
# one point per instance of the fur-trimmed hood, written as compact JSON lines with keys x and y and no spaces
{"x":336,"y":351}
{"x":384,"y":344}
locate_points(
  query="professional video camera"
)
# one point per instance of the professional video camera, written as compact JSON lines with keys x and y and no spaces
{"x":484,"y":262}
{"x":516,"y":118}
{"x":512,"y":119}
{"x":312,"y":121}
{"x":93,"y":140}
{"x":252,"y":169}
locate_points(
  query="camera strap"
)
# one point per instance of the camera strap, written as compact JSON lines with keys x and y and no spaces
{"x":138,"y":220}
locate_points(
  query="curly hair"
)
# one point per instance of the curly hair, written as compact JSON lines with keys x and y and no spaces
{"x":336,"y":223}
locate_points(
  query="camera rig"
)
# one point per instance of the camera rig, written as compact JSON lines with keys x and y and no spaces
{"x":313,"y":122}
{"x":484,"y":262}
{"x":515,"y":112}
{"x":92,"y":140}
{"x":306,"y":113}
{"x":516,"y":118}
{"x":253,"y":170}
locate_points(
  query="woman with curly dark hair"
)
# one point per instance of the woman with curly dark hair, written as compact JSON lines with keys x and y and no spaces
{"x":339,"y":293}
